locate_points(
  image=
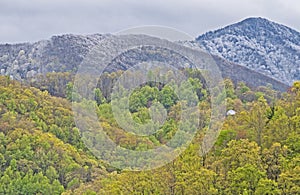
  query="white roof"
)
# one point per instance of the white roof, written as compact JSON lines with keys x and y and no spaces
{"x":230,"y":112}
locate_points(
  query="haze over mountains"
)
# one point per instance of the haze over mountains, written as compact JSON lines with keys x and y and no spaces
{"x":242,"y":51}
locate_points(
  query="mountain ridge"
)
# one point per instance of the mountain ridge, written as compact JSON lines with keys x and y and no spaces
{"x":64,"y":53}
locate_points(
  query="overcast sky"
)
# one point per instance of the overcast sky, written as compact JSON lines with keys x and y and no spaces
{"x":33,"y":20}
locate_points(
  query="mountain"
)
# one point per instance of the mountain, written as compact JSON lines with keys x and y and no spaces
{"x":259,"y":44}
{"x":50,"y":145}
{"x":238,"y":73}
{"x":59,"y":54}
{"x":64,"y":53}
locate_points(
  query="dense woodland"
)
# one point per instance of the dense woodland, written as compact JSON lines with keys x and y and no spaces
{"x":42,"y":151}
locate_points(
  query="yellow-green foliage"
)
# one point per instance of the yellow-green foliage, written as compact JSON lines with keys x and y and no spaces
{"x":257,"y":152}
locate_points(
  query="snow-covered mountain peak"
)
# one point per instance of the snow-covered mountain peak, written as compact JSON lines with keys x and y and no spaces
{"x":259,"y":44}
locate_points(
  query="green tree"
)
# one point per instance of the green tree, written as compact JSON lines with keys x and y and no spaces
{"x":244,"y":179}
{"x":267,"y":187}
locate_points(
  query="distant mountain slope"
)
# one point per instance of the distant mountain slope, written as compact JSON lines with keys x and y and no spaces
{"x":238,"y":73}
{"x":64,"y":54}
{"x":264,"y":46}
{"x":59,"y":54}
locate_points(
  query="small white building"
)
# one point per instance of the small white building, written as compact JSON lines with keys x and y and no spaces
{"x":231,"y":113}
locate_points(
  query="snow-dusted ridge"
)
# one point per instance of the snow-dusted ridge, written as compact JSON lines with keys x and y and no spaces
{"x":259,"y":44}
{"x":64,"y":53}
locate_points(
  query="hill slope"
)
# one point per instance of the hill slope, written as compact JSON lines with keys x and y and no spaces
{"x":41,"y":151}
{"x":59,"y":54}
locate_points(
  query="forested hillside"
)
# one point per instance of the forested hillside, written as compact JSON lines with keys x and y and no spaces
{"x":42,"y":152}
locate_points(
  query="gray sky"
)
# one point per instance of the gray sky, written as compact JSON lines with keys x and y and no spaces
{"x":33,"y":20}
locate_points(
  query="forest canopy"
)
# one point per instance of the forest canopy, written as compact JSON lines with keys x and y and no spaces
{"x":42,"y":150}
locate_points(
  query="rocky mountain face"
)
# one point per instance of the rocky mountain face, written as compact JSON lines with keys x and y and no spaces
{"x":259,"y":44}
{"x":66,"y":52}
